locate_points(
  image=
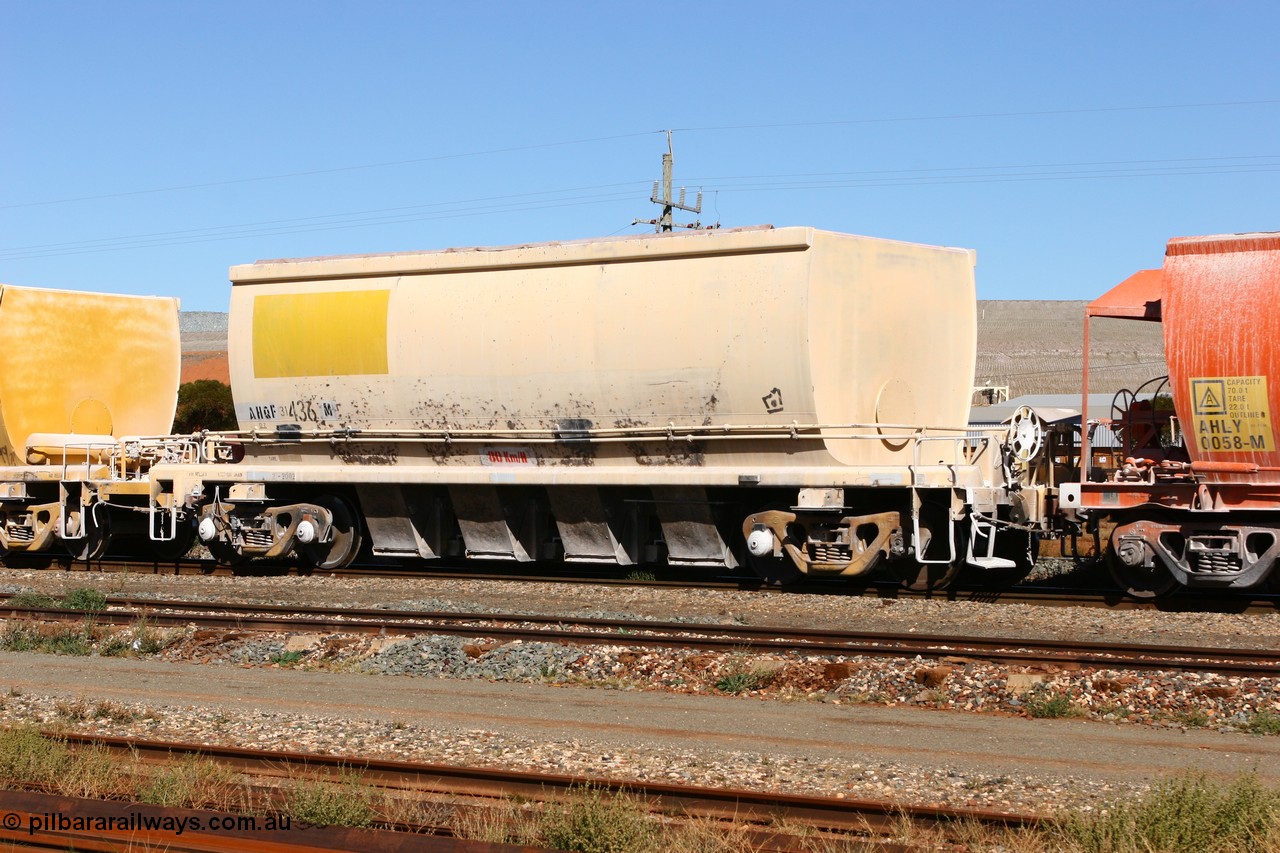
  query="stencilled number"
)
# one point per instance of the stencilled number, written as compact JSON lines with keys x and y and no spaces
{"x":312,"y":411}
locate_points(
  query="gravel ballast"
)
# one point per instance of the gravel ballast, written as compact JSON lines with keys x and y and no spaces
{"x":1179,"y":705}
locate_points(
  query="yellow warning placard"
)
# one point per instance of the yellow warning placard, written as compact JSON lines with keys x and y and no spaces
{"x":1231,"y":414}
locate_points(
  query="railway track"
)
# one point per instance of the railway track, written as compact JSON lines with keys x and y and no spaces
{"x":651,"y":634}
{"x":43,"y":821}
{"x":1046,"y":595}
{"x":470,"y":788}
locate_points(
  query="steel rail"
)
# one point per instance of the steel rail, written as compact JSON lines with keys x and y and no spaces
{"x":681,"y":635}
{"x":729,"y":804}
{"x":1192,"y":601}
{"x":112,"y":826}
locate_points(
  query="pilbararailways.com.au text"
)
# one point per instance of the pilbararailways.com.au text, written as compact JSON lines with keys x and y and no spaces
{"x":135,"y":822}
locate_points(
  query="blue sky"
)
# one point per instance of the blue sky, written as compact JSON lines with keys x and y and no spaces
{"x":146,"y":147}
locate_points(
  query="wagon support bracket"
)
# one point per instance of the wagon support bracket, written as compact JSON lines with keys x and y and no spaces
{"x":819,"y":544}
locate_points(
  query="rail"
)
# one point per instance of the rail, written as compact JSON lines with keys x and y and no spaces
{"x":1254,"y":602}
{"x":42,"y":821}
{"x":875,"y":817}
{"x":680,"y":635}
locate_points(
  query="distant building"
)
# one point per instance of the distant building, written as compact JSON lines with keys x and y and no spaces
{"x":1061,"y":416}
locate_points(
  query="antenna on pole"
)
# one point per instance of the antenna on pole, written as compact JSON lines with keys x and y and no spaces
{"x":664,"y":223}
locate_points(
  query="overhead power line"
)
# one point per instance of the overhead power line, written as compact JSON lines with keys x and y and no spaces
{"x":1188,"y":160}
{"x":604,"y":193}
{"x":959,"y":116}
{"x":328,"y":171}
{"x":272,"y":224}
{"x":633,"y":134}
{"x":223,"y":233}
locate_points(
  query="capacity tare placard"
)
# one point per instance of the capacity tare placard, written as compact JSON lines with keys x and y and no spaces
{"x":1231,"y":414}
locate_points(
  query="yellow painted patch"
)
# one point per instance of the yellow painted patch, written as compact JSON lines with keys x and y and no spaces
{"x":1231,"y":414}
{"x":342,"y":333}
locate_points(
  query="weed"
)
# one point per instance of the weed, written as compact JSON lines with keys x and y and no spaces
{"x":141,"y":639}
{"x":69,"y":641}
{"x":972,"y":835}
{"x":400,"y":810}
{"x":57,"y":639}
{"x":641,"y":575}
{"x":979,"y":783}
{"x":738,"y":682}
{"x":1110,"y":710}
{"x":596,"y":821}
{"x":117,"y":645}
{"x":105,"y":709}
{"x":1044,"y":703}
{"x":1185,"y":814}
{"x":29,"y":599}
{"x":32,"y":600}
{"x":607,"y":682}
{"x":740,"y":676}
{"x":509,"y":822}
{"x":1194,"y":719}
{"x":26,"y":756}
{"x":191,"y":782}
{"x":147,"y":640}
{"x":707,"y":835}
{"x":1265,"y":723}
{"x":19,"y":638}
{"x":85,"y":598}
{"x":349,"y":803}
{"x":95,"y":773}
{"x":287,"y":658}
{"x":75,"y":711}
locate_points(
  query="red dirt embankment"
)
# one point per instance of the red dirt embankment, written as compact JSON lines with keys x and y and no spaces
{"x":206,"y":365}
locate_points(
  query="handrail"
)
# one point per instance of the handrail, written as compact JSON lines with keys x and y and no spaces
{"x":88,"y":447}
{"x":792,"y":431}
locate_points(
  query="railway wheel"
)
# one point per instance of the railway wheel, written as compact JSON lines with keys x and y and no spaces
{"x":177,"y":547}
{"x":776,"y":571}
{"x":1270,"y":584}
{"x":924,"y":577}
{"x":1134,"y":566}
{"x":89,"y":531}
{"x":225,"y":553}
{"x":1019,"y":546}
{"x":344,"y":538}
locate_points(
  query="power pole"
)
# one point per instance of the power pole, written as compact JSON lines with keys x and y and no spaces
{"x":664,"y":223}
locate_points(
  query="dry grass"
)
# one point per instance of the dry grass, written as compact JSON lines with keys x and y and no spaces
{"x":348,"y":803}
{"x":508,"y":822}
{"x":190,"y":780}
{"x":1189,"y":814}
